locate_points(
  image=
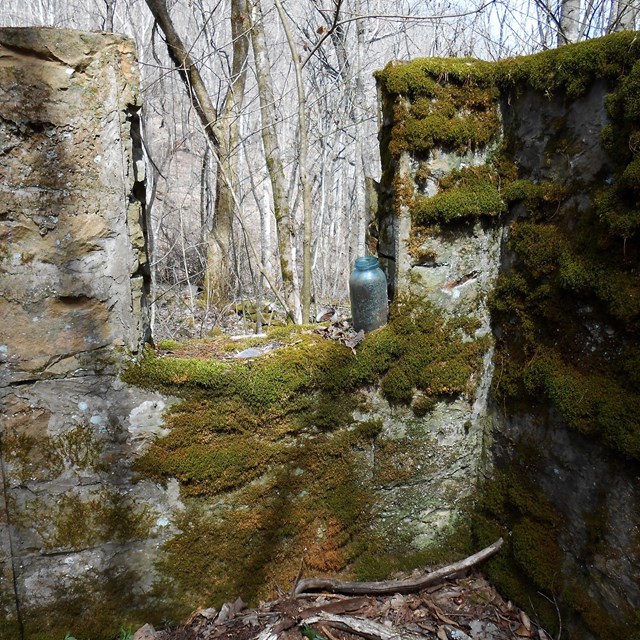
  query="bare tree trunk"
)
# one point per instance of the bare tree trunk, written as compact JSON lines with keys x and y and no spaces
{"x":222,"y":133}
{"x":108,"y":22}
{"x":303,"y":154}
{"x":358,"y":119}
{"x":189,"y":73}
{"x":219,"y":245}
{"x":262,"y":205}
{"x":284,"y":222}
{"x":623,"y":15}
{"x":569,"y":21}
{"x":205,"y":193}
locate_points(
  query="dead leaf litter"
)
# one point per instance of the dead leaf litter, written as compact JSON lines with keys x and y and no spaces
{"x":466,"y":608}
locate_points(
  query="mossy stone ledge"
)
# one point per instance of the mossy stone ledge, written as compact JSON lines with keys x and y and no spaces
{"x":284,"y":452}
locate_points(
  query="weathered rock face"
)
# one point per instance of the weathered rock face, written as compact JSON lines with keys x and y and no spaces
{"x":455,"y":268}
{"x":68,"y":190}
{"x":77,"y":532}
{"x":590,"y":483}
{"x":542,"y":216}
{"x":426,"y":488}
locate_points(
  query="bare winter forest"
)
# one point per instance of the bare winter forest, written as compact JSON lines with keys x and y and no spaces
{"x":260,"y":122}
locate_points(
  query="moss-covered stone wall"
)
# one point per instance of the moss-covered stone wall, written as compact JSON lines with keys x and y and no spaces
{"x":542,"y":153}
{"x":355,"y":461}
{"x":77,"y":531}
{"x":509,"y":229}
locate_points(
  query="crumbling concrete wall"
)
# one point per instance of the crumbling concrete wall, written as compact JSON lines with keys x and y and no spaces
{"x":77,"y":532}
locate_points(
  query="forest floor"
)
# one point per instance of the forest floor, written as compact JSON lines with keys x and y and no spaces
{"x":464,"y":607}
{"x":184,"y":315}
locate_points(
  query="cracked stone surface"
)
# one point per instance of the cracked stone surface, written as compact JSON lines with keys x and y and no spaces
{"x":73,"y":303}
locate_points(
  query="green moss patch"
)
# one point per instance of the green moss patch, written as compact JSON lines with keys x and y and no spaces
{"x":569,"y":312}
{"x":45,"y":457}
{"x":446,"y":103}
{"x":463,"y":194}
{"x":421,"y":76}
{"x":271,"y":458}
{"x":312,"y":505}
{"x":528,"y":567}
{"x":568,"y":70}
{"x":453,"y":103}
{"x":429,"y":353}
{"x":592,"y":403}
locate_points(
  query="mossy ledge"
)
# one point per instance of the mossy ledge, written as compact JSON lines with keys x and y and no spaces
{"x":453,"y":105}
{"x":566,"y":71}
{"x":271,"y":460}
{"x":464,"y":193}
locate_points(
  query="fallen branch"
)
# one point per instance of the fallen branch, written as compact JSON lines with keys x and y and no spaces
{"x":341,"y":606}
{"x":346,"y":605}
{"x":364,"y":628}
{"x":409,"y":585}
{"x":298,"y":577}
{"x":268,"y":633}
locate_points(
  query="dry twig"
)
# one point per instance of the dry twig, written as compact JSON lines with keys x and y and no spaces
{"x":409,"y":585}
{"x":365,"y":628}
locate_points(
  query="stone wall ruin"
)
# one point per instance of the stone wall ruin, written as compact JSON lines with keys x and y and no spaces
{"x":510,"y":189}
{"x":481,"y":163}
{"x":74,"y":282}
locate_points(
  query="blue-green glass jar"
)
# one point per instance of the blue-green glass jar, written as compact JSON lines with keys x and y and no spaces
{"x":368,"y":293}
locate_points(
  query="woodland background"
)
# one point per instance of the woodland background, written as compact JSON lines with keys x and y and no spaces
{"x":260,"y":124}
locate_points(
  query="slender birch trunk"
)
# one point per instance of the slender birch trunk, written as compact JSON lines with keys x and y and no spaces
{"x":108,"y":21}
{"x":284,"y":223}
{"x":623,"y":15}
{"x":303,"y":154}
{"x":361,"y":172}
{"x":569,"y":21}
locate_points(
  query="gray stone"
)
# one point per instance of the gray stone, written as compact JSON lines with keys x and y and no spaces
{"x":74,"y":287}
{"x":146,"y":632}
